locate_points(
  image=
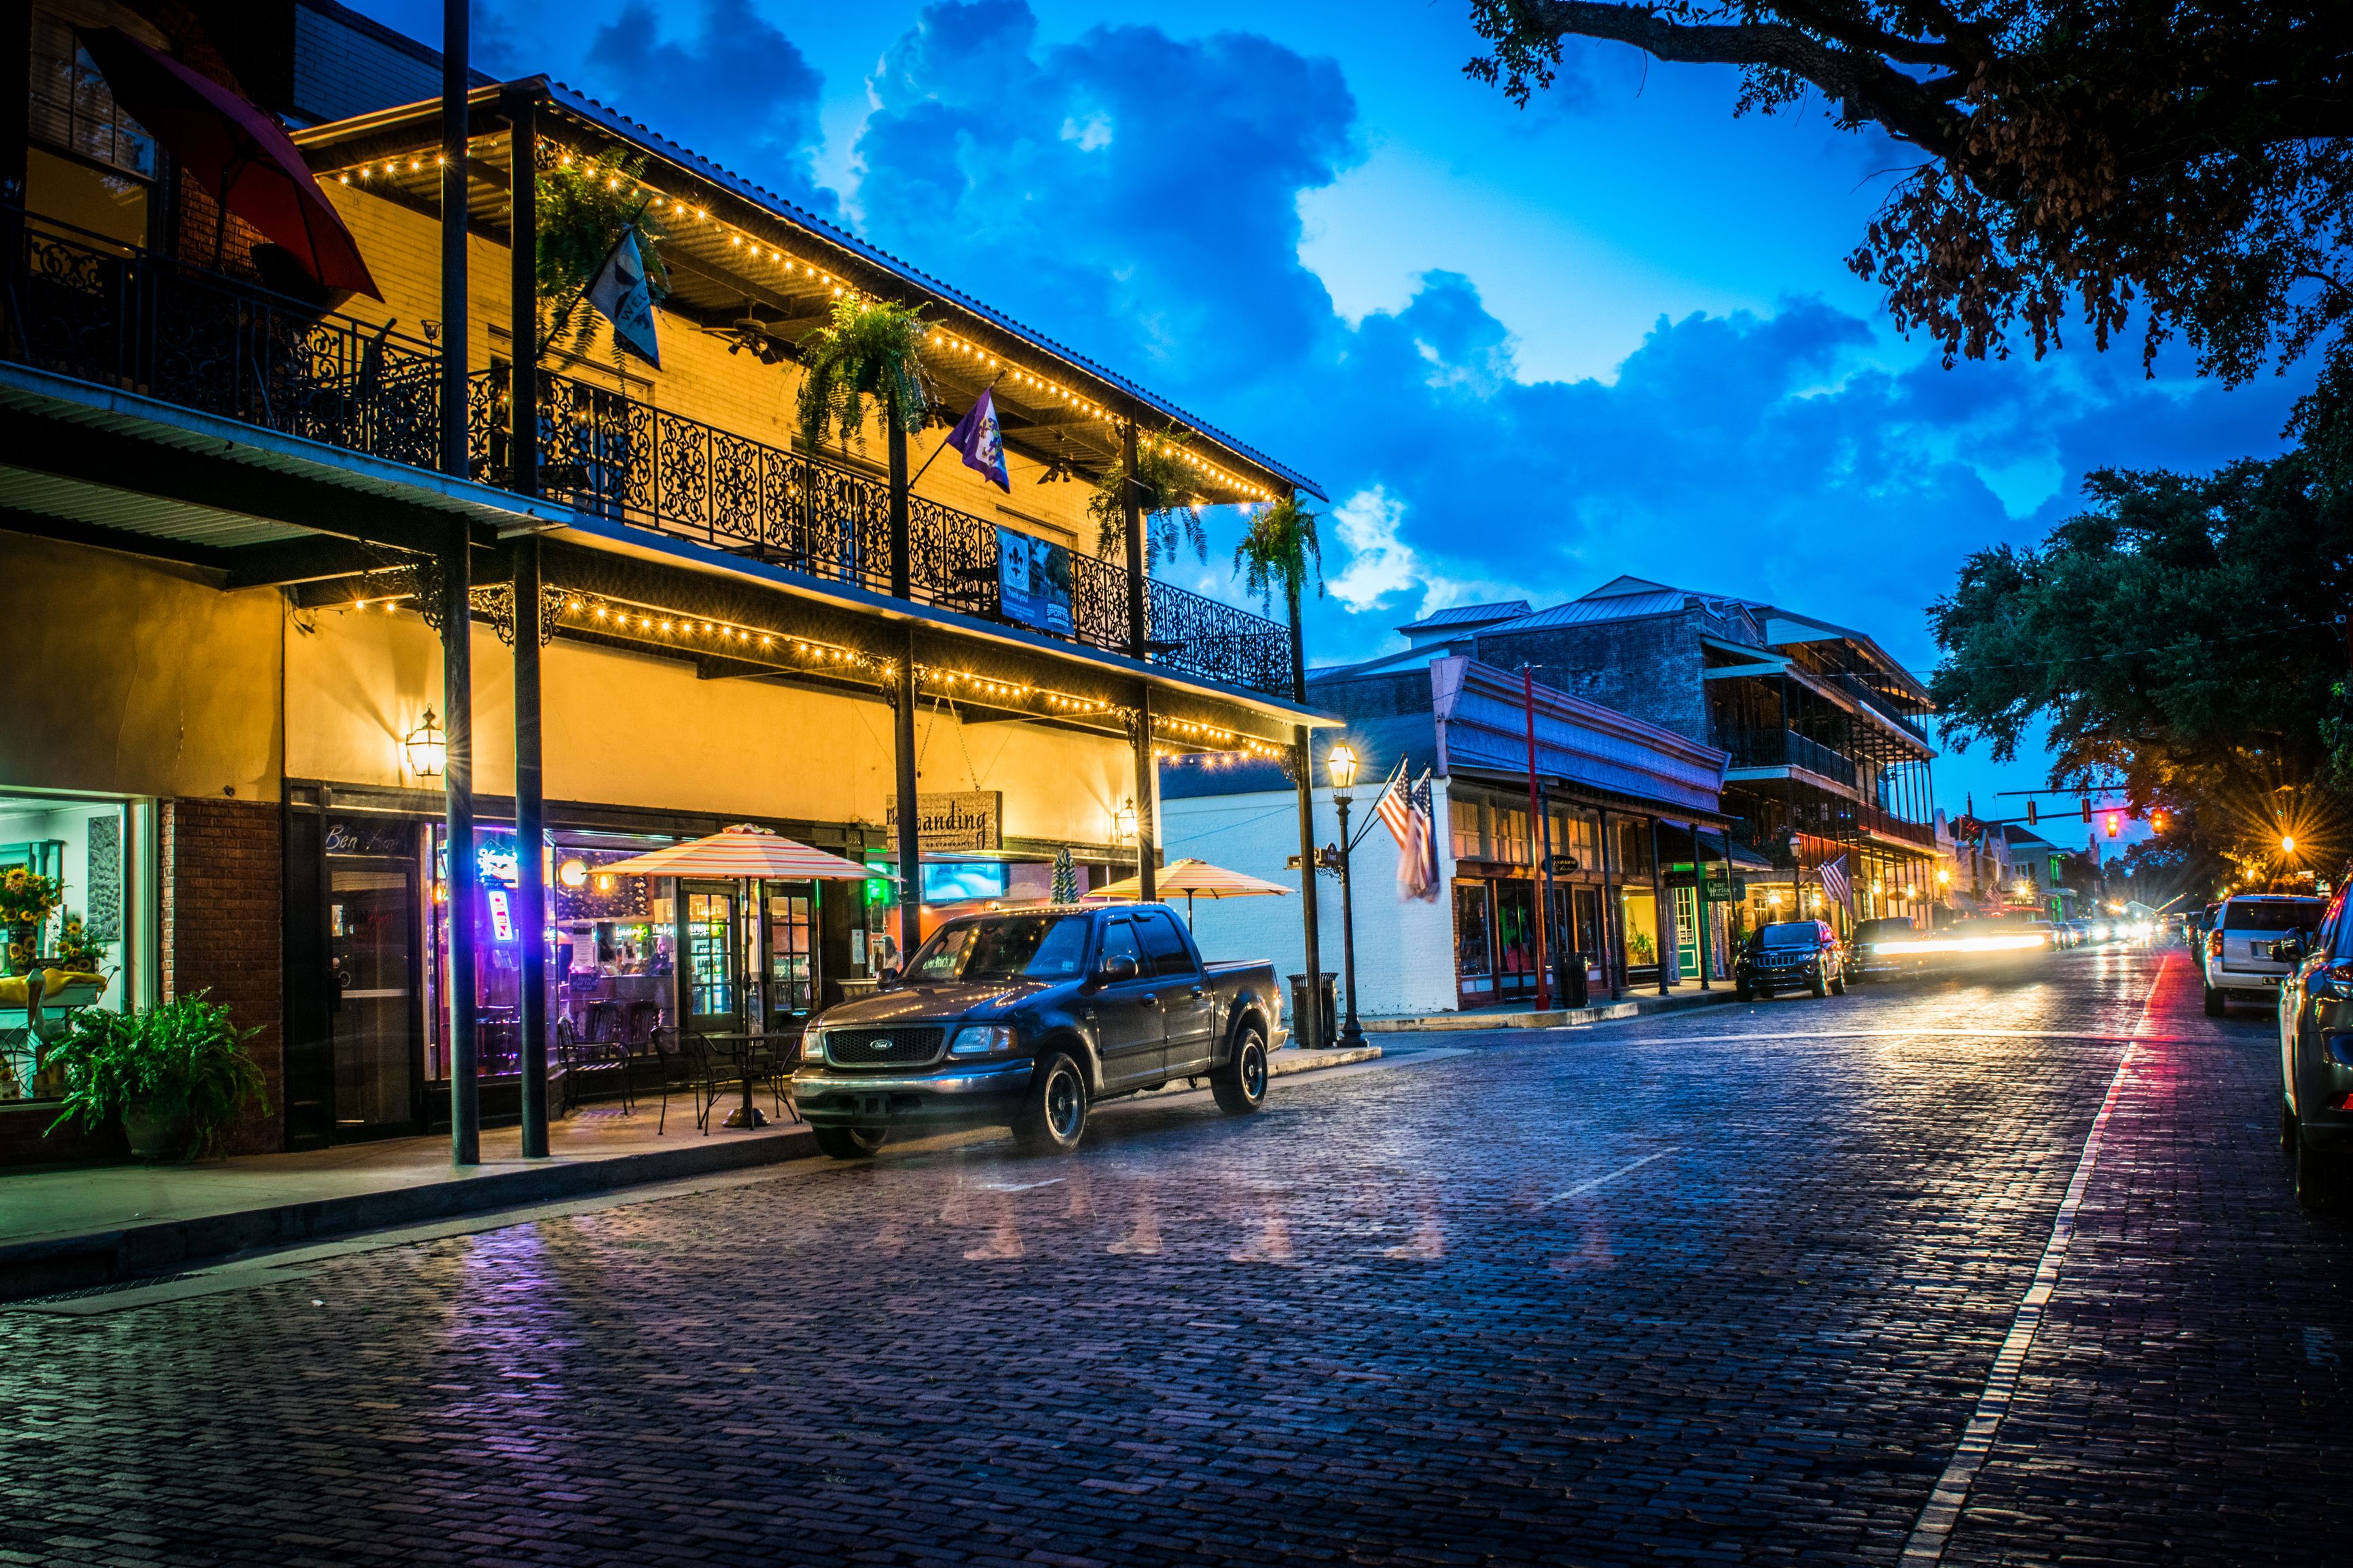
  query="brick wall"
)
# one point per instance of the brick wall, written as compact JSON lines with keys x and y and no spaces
{"x":220,"y":922}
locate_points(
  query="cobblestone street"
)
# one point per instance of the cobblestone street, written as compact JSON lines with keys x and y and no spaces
{"x":1725,"y":1286}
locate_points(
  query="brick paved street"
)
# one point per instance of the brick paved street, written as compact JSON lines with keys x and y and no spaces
{"x":1722,"y":1287}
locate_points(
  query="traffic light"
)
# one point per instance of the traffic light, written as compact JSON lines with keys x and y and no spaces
{"x":2030,"y":813}
{"x":2112,"y":824}
{"x":2087,"y":808}
{"x":2156,"y":821}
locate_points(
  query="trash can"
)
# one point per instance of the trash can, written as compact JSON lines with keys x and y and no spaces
{"x":1329,"y":1012}
{"x":1569,"y":980}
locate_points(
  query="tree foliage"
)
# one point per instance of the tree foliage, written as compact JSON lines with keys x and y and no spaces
{"x":2193,"y":161}
{"x":870,"y":348}
{"x":1170,"y":493}
{"x":2186,"y":635}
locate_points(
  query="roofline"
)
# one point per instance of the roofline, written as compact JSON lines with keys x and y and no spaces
{"x":1144,"y":403}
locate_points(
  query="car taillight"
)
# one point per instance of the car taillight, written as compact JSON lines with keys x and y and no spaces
{"x":2214,"y":944}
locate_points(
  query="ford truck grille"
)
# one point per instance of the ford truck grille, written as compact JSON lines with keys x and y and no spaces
{"x":883,"y":1047}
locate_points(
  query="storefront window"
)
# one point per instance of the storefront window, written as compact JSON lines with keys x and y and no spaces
{"x":78,"y":905}
{"x":1641,"y":927}
{"x":615,"y":944}
{"x":1512,"y":836}
{"x":1464,"y":817}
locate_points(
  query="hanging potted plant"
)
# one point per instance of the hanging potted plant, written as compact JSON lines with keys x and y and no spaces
{"x":870,"y":348}
{"x":26,"y":899}
{"x":178,"y":1075}
{"x":1170,"y":494}
{"x":585,"y":205}
{"x":1277,"y":552}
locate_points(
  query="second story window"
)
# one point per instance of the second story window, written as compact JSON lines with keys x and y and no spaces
{"x":72,"y":107}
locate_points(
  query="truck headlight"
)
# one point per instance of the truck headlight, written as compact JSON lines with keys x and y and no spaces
{"x":981,"y":1040}
{"x":813,"y":1045}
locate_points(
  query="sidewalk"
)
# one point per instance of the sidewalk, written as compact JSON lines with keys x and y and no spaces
{"x":1635,"y":1006}
{"x":73,"y":1229}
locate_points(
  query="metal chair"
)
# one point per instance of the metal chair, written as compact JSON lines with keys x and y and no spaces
{"x":688,"y":1067}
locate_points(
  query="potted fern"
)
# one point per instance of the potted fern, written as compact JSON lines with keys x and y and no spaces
{"x":585,"y":206}
{"x":870,"y":348}
{"x":178,"y":1075}
{"x":1170,"y":493}
{"x":1277,"y":552}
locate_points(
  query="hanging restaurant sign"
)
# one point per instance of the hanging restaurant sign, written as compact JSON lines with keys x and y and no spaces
{"x":970,"y":820}
{"x":1033,"y":582}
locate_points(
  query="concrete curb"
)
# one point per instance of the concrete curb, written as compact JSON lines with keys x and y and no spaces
{"x":1558,"y":1017}
{"x":1294,"y":1059}
{"x":101,"y":1258}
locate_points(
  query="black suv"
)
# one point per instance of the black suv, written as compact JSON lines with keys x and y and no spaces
{"x":1787,"y":954}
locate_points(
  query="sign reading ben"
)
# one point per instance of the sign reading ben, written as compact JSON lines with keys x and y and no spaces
{"x":973,"y":819}
{"x":1033,"y":582}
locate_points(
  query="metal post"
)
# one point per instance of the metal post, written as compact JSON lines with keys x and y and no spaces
{"x":1310,"y":1028}
{"x":531,"y":862}
{"x":1699,"y":902}
{"x":1351,"y":1033}
{"x":1542,"y":838}
{"x":1139,"y":613}
{"x":911,"y":816}
{"x":522,"y":300}
{"x":1148,"y":791}
{"x":1535,"y":817}
{"x":458,"y":826}
{"x":454,"y":459}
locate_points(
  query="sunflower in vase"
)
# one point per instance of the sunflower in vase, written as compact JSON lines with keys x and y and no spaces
{"x":77,"y":951}
{"x":26,"y":900}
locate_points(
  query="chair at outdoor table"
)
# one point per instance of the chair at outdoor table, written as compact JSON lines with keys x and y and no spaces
{"x":590,"y":1061}
{"x":769,"y":1061}
{"x":688,"y":1067}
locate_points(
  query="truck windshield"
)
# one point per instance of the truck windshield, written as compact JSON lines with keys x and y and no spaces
{"x":1005,"y":947}
{"x":1789,"y":934}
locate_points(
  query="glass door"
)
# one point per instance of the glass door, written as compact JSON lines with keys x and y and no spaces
{"x":372,"y":927}
{"x":1474,"y":957}
{"x":1515,"y":938}
{"x":709,"y":977}
{"x":1686,"y":932}
{"x":790,"y":908}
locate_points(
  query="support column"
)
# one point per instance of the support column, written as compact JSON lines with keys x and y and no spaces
{"x":522,"y":297}
{"x":910,"y":816}
{"x":1147,"y":793}
{"x":1139,"y":611}
{"x":530,"y":860}
{"x":462,"y":879}
{"x":16,"y":66}
{"x":1309,"y":1027}
{"x":454,"y":459}
{"x":1535,"y":835}
{"x":1699,"y":902}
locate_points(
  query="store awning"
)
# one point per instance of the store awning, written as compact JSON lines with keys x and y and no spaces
{"x":743,"y":851}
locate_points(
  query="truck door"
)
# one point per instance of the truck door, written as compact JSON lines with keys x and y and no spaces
{"x":1187,"y":1010}
{"x":1128,"y":1027}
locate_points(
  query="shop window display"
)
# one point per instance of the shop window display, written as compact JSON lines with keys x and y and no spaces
{"x":74,"y":902}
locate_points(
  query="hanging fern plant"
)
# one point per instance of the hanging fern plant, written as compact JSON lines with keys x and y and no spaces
{"x":871,"y":348}
{"x":1170,"y":493}
{"x":1278,"y":552}
{"x":585,"y":208}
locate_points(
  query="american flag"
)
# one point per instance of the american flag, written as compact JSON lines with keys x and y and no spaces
{"x":1407,"y":809}
{"x":1835,"y":884}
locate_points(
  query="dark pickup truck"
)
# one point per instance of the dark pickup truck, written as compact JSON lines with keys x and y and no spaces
{"x":1025,"y":1018}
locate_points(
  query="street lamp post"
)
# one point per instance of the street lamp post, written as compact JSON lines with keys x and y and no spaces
{"x":1342,"y":764}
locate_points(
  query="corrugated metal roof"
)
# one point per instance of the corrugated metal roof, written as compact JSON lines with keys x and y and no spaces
{"x":1461,"y":615}
{"x":1587,"y":611}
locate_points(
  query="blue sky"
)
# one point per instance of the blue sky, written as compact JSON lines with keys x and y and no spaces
{"x":1523,"y":351}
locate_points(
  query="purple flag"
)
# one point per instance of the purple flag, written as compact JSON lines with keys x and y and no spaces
{"x":982,"y":444}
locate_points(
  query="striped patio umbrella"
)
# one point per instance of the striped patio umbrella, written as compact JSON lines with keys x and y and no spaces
{"x":743,"y":851}
{"x":1194,"y":880}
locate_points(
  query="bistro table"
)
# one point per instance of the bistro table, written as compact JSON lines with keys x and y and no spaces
{"x":743,"y":1045}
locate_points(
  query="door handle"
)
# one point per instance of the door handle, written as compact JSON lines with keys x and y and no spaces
{"x":1147,"y":1000}
{"x":1198,"y":994}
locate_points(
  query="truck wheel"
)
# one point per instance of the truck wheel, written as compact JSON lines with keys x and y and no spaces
{"x":1053,"y":1114}
{"x":1819,"y":987}
{"x":1741,"y":991}
{"x":850,"y":1143}
{"x":2217,"y":1003}
{"x":1838,"y":986}
{"x":1240,"y":1085}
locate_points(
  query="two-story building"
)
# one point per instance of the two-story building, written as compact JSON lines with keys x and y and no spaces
{"x":311,"y":584}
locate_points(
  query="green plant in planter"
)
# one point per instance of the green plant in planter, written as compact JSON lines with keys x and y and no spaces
{"x":585,"y":206}
{"x":871,"y":348}
{"x":1170,"y":493}
{"x":1278,"y":551}
{"x":178,"y":1073}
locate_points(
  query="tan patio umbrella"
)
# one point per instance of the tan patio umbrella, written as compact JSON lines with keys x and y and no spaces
{"x":1194,"y":880}
{"x":745,"y":851}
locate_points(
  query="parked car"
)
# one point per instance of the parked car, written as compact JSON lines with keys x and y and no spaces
{"x":1886,"y":946}
{"x":2316,"y":1041}
{"x":2079,"y":931}
{"x":2238,"y":961}
{"x":1025,"y":1018}
{"x":1787,"y":954}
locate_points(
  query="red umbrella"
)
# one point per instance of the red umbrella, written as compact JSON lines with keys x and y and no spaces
{"x":236,"y":151}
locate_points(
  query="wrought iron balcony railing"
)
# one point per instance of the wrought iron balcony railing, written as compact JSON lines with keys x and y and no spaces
{"x":78,"y":305}
{"x":1787,"y":748}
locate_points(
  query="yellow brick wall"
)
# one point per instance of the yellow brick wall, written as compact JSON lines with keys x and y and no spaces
{"x":699,"y":378}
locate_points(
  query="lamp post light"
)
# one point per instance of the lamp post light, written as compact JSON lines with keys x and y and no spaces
{"x":1341,"y":763}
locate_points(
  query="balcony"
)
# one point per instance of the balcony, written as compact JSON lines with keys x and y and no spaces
{"x":1879,"y":703}
{"x":1786,"y":749}
{"x":79,"y":305}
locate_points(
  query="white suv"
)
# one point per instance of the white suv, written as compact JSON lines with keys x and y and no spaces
{"x":2238,"y":958}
